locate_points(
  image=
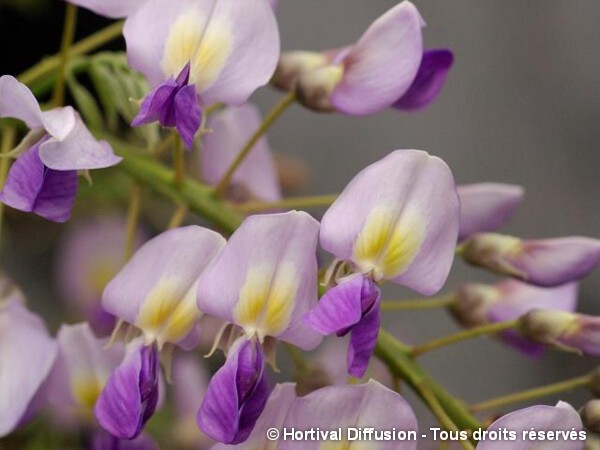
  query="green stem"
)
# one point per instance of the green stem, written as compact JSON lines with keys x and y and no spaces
{"x":531,"y":394}
{"x":178,"y":162}
{"x":269,"y":120}
{"x":491,"y":328}
{"x":396,"y":357}
{"x":52,"y":63}
{"x":133,"y":218}
{"x":58,"y":97}
{"x":288,"y":203}
{"x":178,"y":217}
{"x":416,"y":304}
{"x":196,"y":196}
{"x":8,"y":139}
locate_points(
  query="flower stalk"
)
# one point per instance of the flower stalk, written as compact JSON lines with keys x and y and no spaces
{"x":70,"y":25}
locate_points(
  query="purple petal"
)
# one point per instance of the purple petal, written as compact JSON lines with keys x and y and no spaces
{"x":486,"y":206}
{"x":561,"y":417}
{"x":236,"y":395}
{"x":79,"y":150}
{"x":158,"y":106}
{"x":231,"y":129}
{"x":552,"y":262}
{"x":398,"y":219}
{"x":363,"y":338}
{"x":364,"y":405}
{"x":188,"y":115}
{"x":383,"y":64}
{"x":32,"y":187}
{"x":268,"y":252}
{"x":27,"y":353}
{"x":105,"y":441}
{"x":584,"y":336}
{"x":131,"y":394}
{"x":339,"y":309}
{"x":114,"y":9}
{"x":429,"y":80}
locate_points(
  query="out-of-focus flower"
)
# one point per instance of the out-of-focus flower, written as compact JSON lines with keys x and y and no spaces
{"x":486,"y":206}
{"x":532,"y":425}
{"x":27,"y":353}
{"x":43,"y":179}
{"x":190,"y":380}
{"x":264,"y":281}
{"x":114,"y":9}
{"x":198,"y":53}
{"x":80,"y":372}
{"x":479,"y":304}
{"x":387,"y":67}
{"x":360,"y":406}
{"x":256,"y":178}
{"x":563,"y":329}
{"x":102,"y":440}
{"x":89,"y":255}
{"x":397,"y":220}
{"x":155,"y":292}
{"x":547,"y":262}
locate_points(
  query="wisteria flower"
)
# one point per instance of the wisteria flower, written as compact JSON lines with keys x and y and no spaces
{"x":479,"y":304}
{"x":90,"y":253}
{"x":263,"y":281}
{"x":358,"y":406}
{"x":528,"y":424}
{"x":198,"y":53}
{"x":256,"y":178}
{"x":387,"y":67}
{"x":486,"y":206}
{"x":156,"y":293}
{"x":43,"y":180}
{"x":544,"y":262}
{"x":27,"y":353}
{"x":81,"y":370}
{"x":397,"y":220}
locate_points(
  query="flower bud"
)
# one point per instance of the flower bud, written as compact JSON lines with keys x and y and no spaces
{"x":547,"y":326}
{"x":472,"y":304}
{"x":292,"y":64}
{"x":590,"y":415}
{"x":546,"y":263}
{"x":315,"y":87}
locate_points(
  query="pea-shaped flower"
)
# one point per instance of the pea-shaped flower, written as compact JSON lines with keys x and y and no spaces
{"x":264,"y":281}
{"x":397,"y":220}
{"x":43,"y":179}
{"x":197,"y":53}
{"x":156,"y":293}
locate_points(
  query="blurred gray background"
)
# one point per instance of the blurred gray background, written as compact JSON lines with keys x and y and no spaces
{"x":521,"y":105}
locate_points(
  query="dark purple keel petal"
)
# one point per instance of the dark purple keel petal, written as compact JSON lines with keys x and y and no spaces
{"x":236,"y":395}
{"x":157,"y":106}
{"x":188,"y":115}
{"x":130,"y":396}
{"x":363,"y":336}
{"x":429,"y":81}
{"x":32,"y":187}
{"x":339,"y":309}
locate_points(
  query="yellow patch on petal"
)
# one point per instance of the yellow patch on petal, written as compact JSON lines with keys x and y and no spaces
{"x":166,"y":316}
{"x":266,"y":301}
{"x":86,"y":389}
{"x":206,"y":48}
{"x":388,"y":244}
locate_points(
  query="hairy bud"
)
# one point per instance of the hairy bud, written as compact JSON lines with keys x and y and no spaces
{"x":590,"y":415}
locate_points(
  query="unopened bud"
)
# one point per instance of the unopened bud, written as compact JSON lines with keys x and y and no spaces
{"x":494,"y":252}
{"x":314,"y":87}
{"x":292,"y":64}
{"x":590,"y":415}
{"x":591,"y":443}
{"x":548,"y":326}
{"x":472,"y":304}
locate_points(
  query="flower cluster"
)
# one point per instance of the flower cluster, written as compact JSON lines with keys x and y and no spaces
{"x":258,"y":283}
